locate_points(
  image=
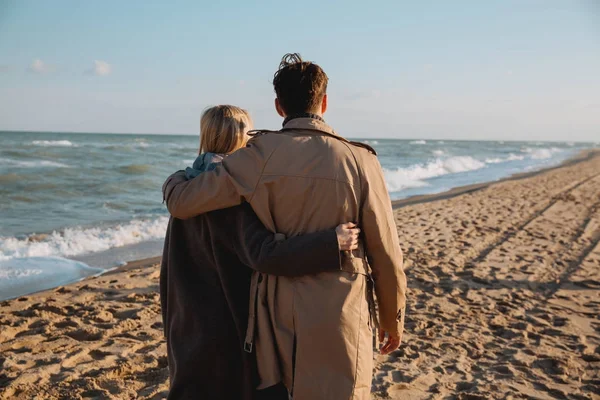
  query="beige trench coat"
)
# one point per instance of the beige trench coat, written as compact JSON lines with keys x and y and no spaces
{"x":313,"y":332}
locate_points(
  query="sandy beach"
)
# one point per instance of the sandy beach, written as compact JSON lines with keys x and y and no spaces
{"x":503,"y":302}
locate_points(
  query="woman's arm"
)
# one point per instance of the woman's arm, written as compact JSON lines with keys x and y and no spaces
{"x":311,"y":253}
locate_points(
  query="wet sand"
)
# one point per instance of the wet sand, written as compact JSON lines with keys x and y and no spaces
{"x":504,"y":302}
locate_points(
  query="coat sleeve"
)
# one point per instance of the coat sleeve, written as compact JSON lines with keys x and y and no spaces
{"x":383,"y":249}
{"x":262,"y":251}
{"x":226,"y":186}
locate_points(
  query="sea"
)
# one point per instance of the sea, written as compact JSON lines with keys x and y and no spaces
{"x":73,"y":205}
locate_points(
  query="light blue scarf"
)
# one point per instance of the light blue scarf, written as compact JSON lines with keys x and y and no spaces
{"x":204,"y":162}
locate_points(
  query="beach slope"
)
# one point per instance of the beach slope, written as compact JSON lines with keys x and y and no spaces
{"x":503,"y":302}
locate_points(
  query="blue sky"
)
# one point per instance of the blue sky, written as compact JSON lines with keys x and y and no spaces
{"x":521,"y":69}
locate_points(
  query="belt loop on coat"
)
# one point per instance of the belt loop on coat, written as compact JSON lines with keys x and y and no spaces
{"x":249,"y":341}
{"x":371,"y":301}
{"x":373,"y":310}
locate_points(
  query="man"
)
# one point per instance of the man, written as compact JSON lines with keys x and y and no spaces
{"x":301,"y":179}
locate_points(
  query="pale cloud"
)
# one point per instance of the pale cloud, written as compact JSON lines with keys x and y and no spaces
{"x":5,"y":68}
{"x":101,"y":68}
{"x":39,"y":67}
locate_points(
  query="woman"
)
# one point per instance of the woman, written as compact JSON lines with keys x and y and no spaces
{"x":205,"y":277}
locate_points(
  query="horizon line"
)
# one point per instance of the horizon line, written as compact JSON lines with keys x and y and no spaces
{"x":349,"y":137}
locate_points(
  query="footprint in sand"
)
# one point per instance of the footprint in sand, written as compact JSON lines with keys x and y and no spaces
{"x":67,"y":323}
{"x":84,"y":335}
{"x":74,"y":358}
{"x":99,"y":354}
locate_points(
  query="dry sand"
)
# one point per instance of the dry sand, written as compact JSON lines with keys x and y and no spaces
{"x":504,"y":302}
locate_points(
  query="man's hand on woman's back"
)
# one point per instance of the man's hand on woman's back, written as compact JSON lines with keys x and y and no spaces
{"x":347,"y":235}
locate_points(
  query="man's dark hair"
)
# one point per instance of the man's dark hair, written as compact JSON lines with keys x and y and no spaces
{"x":299,"y":85}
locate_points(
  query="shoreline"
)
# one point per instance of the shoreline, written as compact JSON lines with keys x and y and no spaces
{"x":584,"y":155}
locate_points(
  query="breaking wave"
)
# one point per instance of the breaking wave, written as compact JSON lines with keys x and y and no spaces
{"x":53,"y":143}
{"x":414,"y":175}
{"x":32,"y":164}
{"x":541,"y":153}
{"x":511,"y":157}
{"x":78,"y":241}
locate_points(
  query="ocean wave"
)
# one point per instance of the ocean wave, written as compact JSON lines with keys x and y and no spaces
{"x":141,"y":143}
{"x":53,"y":143}
{"x":541,"y":153}
{"x":111,"y":205}
{"x":418,"y":142}
{"x":32,"y":164}
{"x":135,"y":169}
{"x":370,"y":142}
{"x":10,"y":177}
{"x":497,"y":160}
{"x":513,"y":157}
{"x":78,"y":241}
{"x":415,"y":175}
{"x":438,"y":152}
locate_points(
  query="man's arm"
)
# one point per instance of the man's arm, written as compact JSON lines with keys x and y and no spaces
{"x":262,"y":251}
{"x":384,"y":254}
{"x":226,"y":186}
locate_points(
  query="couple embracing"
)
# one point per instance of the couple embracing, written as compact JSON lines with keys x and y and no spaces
{"x":276,"y":243}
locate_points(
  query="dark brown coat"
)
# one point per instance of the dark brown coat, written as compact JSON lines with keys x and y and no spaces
{"x":204,"y":287}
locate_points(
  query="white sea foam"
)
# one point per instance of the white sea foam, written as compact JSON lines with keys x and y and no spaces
{"x":53,"y":143}
{"x":415,"y":175}
{"x":370,"y":142}
{"x":541,"y":153}
{"x":497,"y":160}
{"x":32,"y":164}
{"x":77,"y":241}
{"x":438,"y":152}
{"x":15,"y":273}
{"x":20,"y":276}
{"x":418,"y":142}
{"x":513,"y":157}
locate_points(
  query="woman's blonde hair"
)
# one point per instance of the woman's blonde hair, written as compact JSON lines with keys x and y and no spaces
{"x":223,"y":129}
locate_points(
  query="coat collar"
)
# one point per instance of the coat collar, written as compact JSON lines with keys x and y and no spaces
{"x":319,"y":125}
{"x":312,"y":124}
